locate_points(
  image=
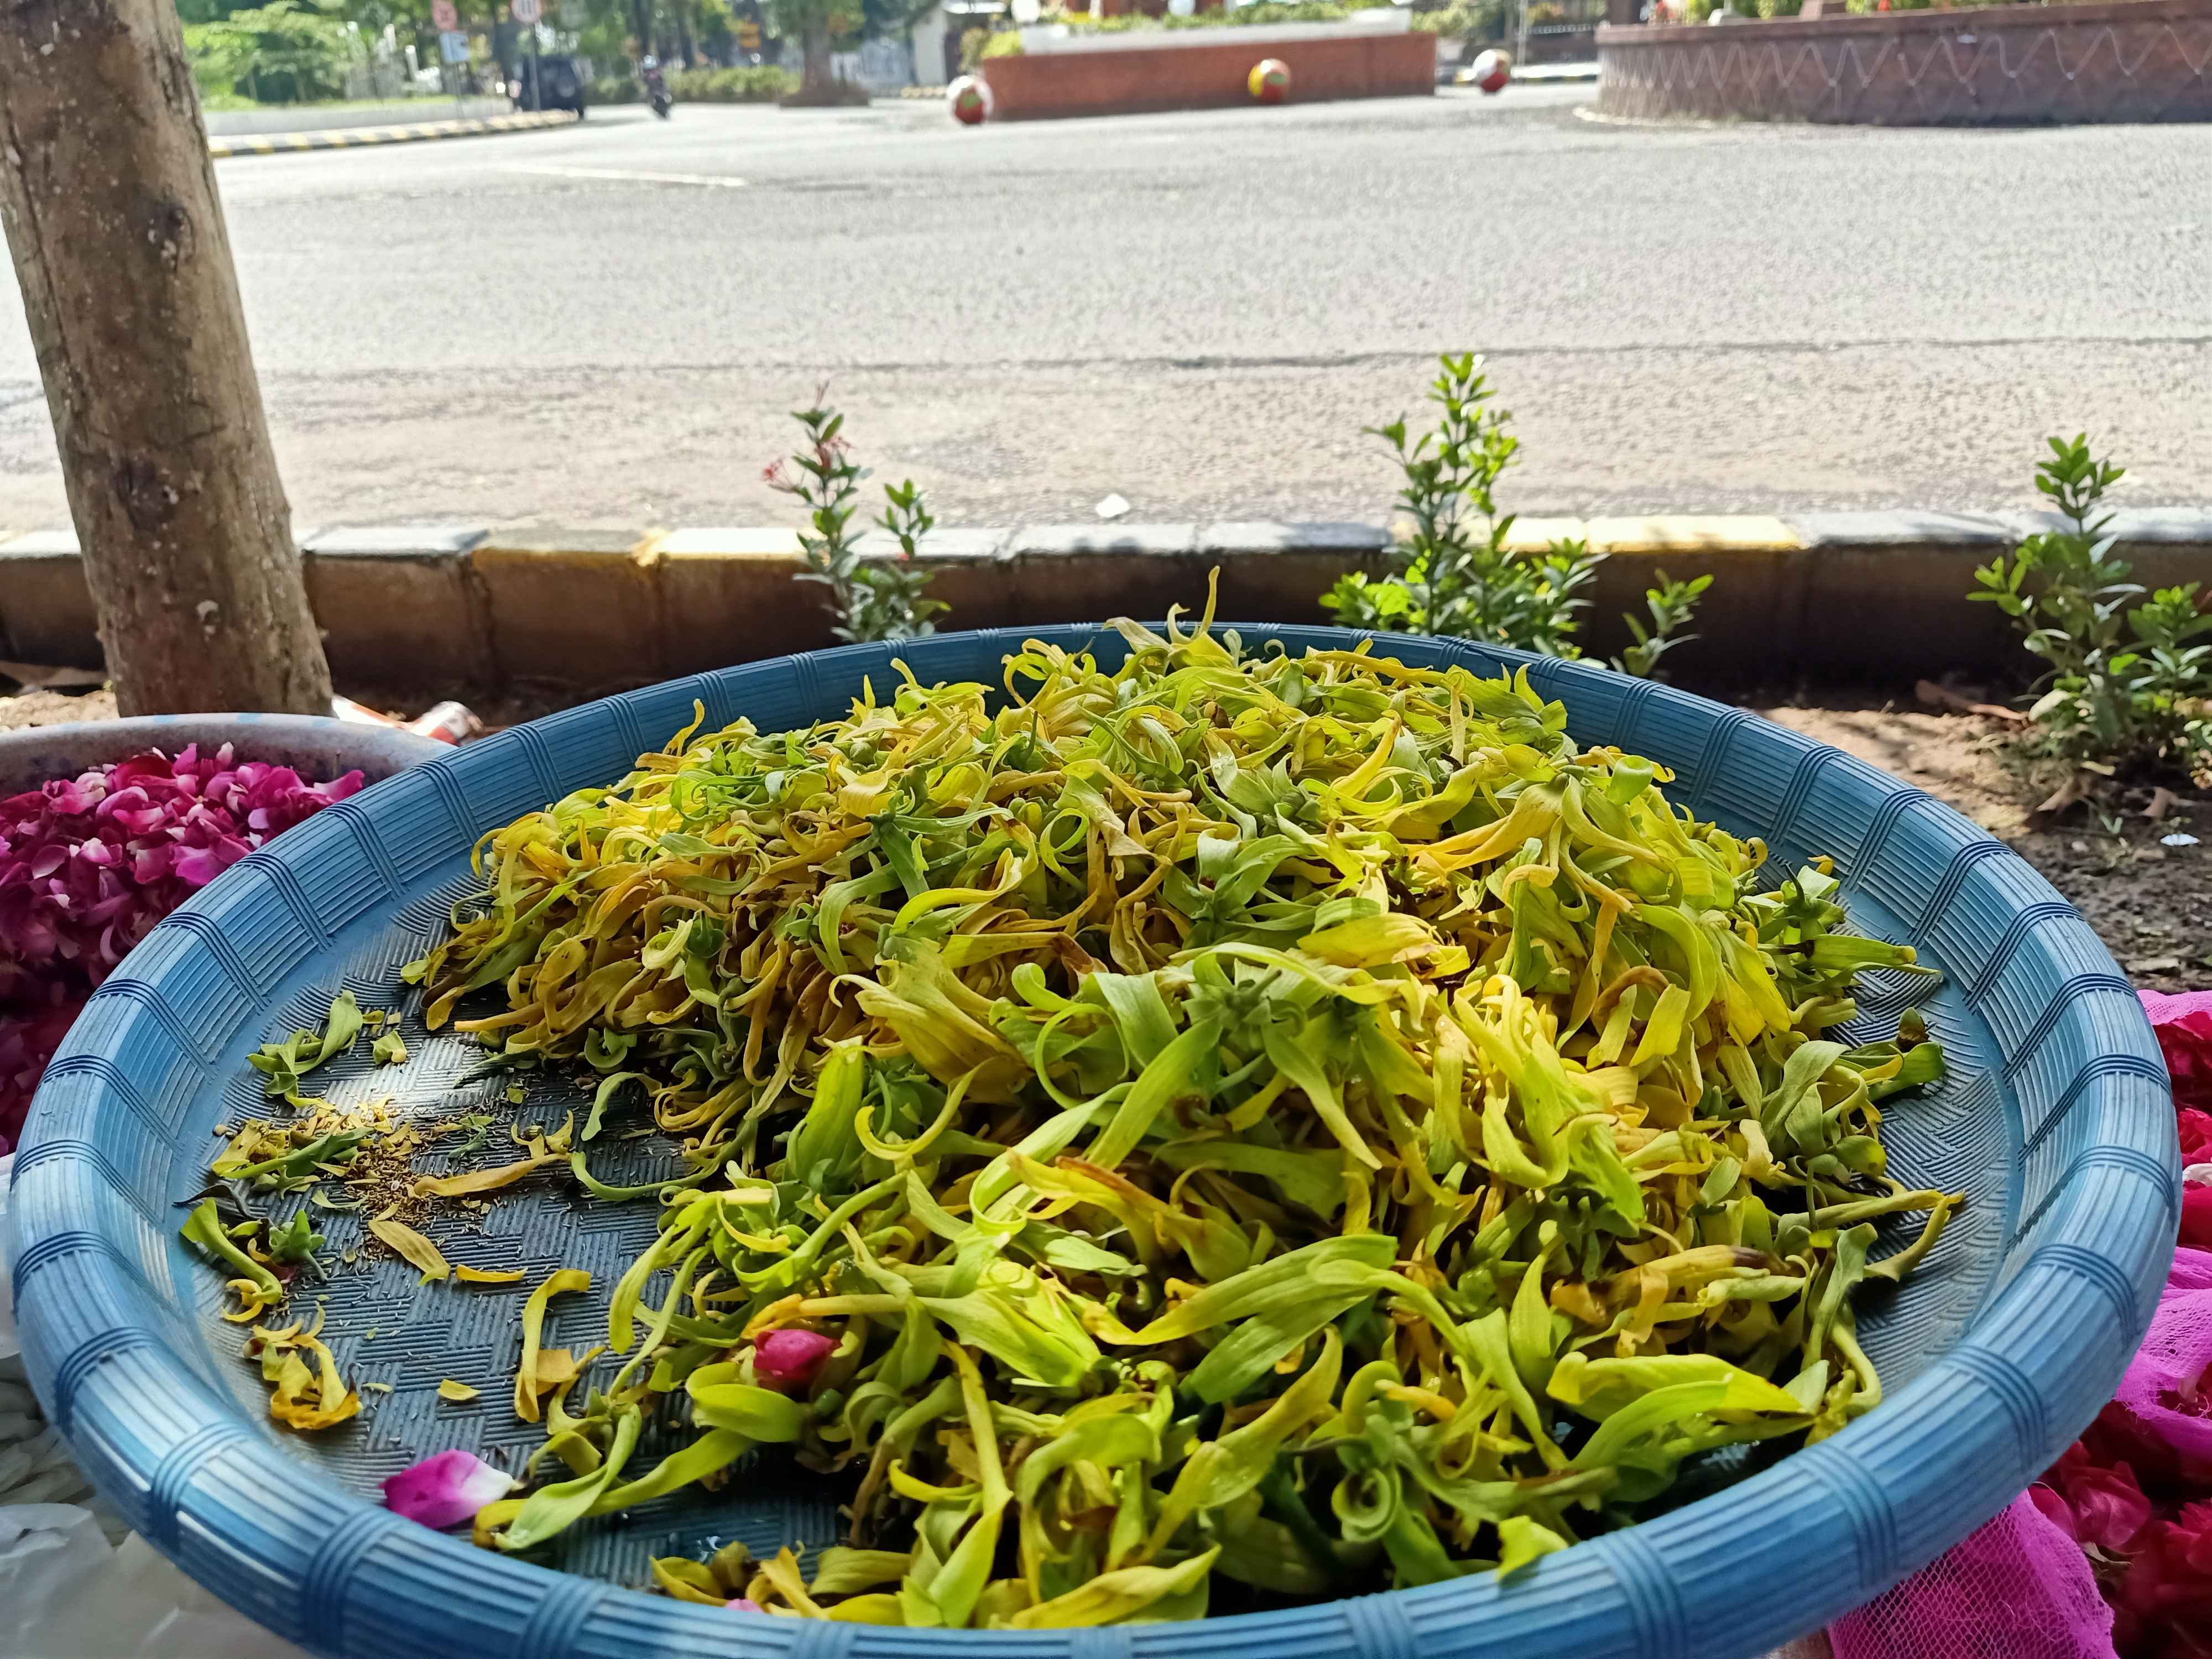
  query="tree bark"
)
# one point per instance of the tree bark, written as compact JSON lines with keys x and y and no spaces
{"x":108,"y":196}
{"x":815,"y":78}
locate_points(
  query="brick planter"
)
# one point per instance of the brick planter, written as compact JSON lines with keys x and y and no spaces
{"x":1183,"y":76}
{"x":2121,"y":60}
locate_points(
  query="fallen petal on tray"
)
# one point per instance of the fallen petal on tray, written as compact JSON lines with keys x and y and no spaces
{"x":445,"y":1489}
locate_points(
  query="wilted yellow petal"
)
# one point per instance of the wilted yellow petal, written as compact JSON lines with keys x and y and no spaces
{"x":459,"y":1393}
{"x":485,"y":1180}
{"x":307,"y":1400}
{"x":540,"y":1372}
{"x":411,"y":1247}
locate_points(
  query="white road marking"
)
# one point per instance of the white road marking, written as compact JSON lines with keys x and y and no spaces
{"x":627,"y":176}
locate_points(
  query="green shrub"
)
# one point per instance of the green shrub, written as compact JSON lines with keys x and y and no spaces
{"x":1264,"y":11}
{"x":2127,"y":695}
{"x":1004,"y":44}
{"x":757,"y":84}
{"x":1670,"y":606}
{"x":871,"y":598}
{"x":1455,"y":573}
{"x":1464,"y":19}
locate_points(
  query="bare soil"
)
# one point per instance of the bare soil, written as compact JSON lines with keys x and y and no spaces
{"x":30,"y":708}
{"x":2151,"y":903}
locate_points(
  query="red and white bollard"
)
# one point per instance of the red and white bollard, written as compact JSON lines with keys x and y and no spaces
{"x":970,"y":98}
{"x":1490,"y":70}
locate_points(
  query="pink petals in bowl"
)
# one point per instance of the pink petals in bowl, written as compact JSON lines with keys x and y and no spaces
{"x":445,"y":1489}
{"x":89,"y":863}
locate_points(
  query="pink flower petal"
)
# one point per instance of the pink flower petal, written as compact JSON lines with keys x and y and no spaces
{"x":2109,"y":1508}
{"x":2054,"y":1510}
{"x":744,"y":1604}
{"x":787,"y":1360}
{"x":89,"y":863}
{"x":445,"y":1489}
{"x":202,"y":865}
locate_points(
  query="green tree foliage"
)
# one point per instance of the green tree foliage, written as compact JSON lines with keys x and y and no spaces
{"x":288,"y":52}
{"x":818,"y":26}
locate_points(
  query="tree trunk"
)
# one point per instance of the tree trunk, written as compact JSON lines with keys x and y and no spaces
{"x":108,"y":196}
{"x":815,"y":81}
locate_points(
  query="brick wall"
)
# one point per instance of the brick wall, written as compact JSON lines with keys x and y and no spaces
{"x":2116,"y":60}
{"x":1122,"y":83}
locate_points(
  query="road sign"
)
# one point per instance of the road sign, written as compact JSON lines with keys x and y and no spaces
{"x":455,"y":45}
{"x":748,"y":36}
{"x":525,"y":11}
{"x":444,"y":17}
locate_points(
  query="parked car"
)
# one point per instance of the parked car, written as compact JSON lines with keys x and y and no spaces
{"x":551,"y":81}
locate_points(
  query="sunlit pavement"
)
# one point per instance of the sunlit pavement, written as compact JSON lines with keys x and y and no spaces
{"x":605,"y":325}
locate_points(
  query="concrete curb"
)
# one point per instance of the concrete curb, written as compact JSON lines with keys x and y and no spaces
{"x":1555,"y":73}
{"x":282,"y":143}
{"x":435,"y":608}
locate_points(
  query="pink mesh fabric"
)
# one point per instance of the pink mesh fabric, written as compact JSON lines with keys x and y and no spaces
{"x":2184,"y":1025}
{"x":2019,"y":1589}
{"x":2158,"y":1393}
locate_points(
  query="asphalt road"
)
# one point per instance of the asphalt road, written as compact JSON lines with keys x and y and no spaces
{"x":607,"y":326}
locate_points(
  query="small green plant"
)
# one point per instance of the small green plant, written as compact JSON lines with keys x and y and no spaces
{"x":2127,"y":694}
{"x":1457,"y":573}
{"x":1671,"y":605}
{"x":871,"y":598}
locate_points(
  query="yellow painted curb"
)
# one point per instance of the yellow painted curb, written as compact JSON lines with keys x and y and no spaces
{"x":732,"y":544}
{"x":591,"y":560}
{"x":1537,"y":535}
{"x":352,"y":138}
{"x":1743,"y":533}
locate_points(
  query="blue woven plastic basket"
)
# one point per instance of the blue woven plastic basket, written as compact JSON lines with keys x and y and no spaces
{"x":2055,"y":1120}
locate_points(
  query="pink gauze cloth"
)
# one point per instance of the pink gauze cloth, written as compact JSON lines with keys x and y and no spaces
{"x":2020,"y":1587}
{"x":2184,"y":1025}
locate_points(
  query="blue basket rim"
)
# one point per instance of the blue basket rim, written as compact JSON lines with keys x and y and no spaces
{"x":1629,"y":1590}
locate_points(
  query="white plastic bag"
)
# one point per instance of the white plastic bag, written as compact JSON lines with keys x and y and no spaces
{"x":9,"y":1347}
{"x":136,"y":1606}
{"x":48,"y":1553}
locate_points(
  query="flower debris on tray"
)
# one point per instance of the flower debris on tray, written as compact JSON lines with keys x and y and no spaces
{"x":1235,"y":1129}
